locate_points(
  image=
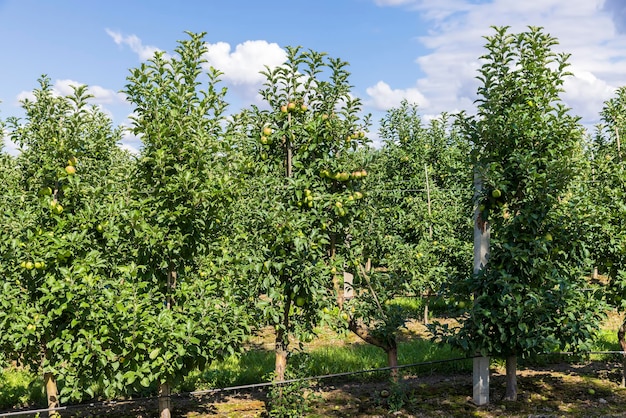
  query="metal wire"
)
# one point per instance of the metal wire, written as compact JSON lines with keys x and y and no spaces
{"x":228,"y":389}
{"x":266,"y":384}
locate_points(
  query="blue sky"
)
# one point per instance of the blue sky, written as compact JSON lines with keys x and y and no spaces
{"x":426,"y":51}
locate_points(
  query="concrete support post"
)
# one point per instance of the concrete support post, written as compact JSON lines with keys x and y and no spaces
{"x":481,"y":256}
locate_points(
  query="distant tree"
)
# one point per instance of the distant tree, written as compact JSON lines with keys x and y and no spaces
{"x":606,"y":213}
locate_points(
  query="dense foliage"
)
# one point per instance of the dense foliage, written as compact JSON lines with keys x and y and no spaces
{"x":123,"y":272}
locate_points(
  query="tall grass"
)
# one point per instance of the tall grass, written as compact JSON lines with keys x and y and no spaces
{"x":256,"y":366}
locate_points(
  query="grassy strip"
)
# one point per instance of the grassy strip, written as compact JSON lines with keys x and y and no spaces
{"x":20,"y":388}
{"x":256,"y":366}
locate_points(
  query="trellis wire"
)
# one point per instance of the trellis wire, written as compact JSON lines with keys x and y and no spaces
{"x":266,"y":384}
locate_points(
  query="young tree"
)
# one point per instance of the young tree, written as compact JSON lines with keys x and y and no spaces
{"x":527,"y":150}
{"x":302,"y":192}
{"x":57,"y":191}
{"x":413,"y":229}
{"x":181,"y":188}
{"x":421,"y":197}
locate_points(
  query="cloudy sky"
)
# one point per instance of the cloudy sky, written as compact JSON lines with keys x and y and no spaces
{"x":423,"y":50}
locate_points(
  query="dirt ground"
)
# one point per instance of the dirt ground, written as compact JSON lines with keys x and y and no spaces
{"x":586,"y":388}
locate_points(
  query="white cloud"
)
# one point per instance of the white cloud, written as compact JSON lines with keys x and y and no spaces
{"x":101,"y":96}
{"x":583,"y":28}
{"x":25,"y":95}
{"x":383,"y":97}
{"x":586,"y":93}
{"x":145,"y":52}
{"x":241,"y":68}
{"x":393,"y":2}
{"x":130,"y":142}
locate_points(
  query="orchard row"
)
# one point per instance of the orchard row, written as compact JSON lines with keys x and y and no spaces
{"x":131,"y":271}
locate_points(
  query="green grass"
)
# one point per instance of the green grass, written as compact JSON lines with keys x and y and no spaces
{"x":19,"y":388}
{"x":255,"y":366}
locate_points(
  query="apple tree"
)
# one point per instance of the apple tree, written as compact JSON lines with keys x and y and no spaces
{"x":181,"y":187}
{"x":303,"y":188}
{"x":527,"y":148}
{"x":605,"y":191}
{"x":55,"y":260}
{"x":421,"y":198}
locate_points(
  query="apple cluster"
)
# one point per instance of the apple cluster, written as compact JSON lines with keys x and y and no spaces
{"x":343,"y":176}
{"x":291,"y":107}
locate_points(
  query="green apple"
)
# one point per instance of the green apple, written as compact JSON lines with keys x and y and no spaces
{"x":45,"y":191}
{"x":291,"y":106}
{"x":71,"y":161}
{"x":496,"y":193}
{"x":267,"y":131}
{"x":29,"y":265}
{"x":70,"y":170}
{"x":300,"y":301}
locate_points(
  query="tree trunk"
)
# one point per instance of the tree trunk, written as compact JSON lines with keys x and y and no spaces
{"x":52,"y":394}
{"x":281,"y":359}
{"x":392,"y":360}
{"x":165,"y":401}
{"x":621,"y":333}
{"x":390,"y":346}
{"x":281,"y":346}
{"x":511,"y":378}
